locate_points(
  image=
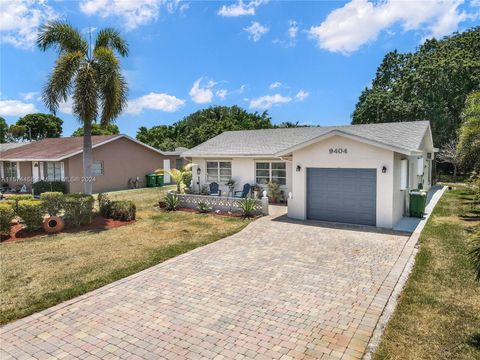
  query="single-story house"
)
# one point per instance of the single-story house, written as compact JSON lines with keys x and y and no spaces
{"x":117,"y":160}
{"x":357,"y":174}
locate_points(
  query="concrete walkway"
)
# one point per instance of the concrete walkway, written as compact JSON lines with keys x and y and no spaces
{"x":278,"y":289}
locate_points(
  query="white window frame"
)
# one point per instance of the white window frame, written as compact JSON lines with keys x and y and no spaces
{"x":17,"y":170}
{"x":218,"y":181}
{"x":102,"y":167}
{"x":270,"y":162}
{"x":60,"y":170}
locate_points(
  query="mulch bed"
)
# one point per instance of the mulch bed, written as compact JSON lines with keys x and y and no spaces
{"x":98,"y":223}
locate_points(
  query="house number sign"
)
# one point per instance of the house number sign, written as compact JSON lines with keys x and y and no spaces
{"x":338,"y":151}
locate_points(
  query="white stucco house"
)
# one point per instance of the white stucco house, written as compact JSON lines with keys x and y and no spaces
{"x":357,"y":174}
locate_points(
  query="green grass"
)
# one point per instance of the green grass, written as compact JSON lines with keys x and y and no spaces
{"x":39,"y":273}
{"x":438,"y":315}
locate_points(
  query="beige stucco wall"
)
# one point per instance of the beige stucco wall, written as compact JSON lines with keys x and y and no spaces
{"x":243,"y":172}
{"x":359,"y":155}
{"x":122,"y":159}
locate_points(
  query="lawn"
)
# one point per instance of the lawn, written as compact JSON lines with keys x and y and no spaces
{"x":36,"y":274}
{"x":438,"y":315}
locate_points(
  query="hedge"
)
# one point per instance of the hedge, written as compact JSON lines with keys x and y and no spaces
{"x":78,"y":209}
{"x":123,"y":210}
{"x":49,"y":186}
{"x":53,"y":202}
{"x":6,"y":216}
{"x":31,"y":212}
{"x":16,"y":198}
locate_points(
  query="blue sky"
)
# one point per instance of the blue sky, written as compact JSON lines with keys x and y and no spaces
{"x":302,"y":61}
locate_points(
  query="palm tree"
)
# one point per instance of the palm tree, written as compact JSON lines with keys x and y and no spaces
{"x":91,"y":76}
{"x":178,"y":175}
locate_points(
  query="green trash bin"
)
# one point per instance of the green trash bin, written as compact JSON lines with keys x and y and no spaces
{"x":151,"y":180}
{"x":159,"y":180}
{"x":418,"y":201}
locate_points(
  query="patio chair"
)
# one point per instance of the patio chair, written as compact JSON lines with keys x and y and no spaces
{"x":242,"y":193}
{"x":213,"y":189}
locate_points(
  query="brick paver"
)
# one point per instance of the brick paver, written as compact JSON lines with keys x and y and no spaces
{"x":276,"y":290}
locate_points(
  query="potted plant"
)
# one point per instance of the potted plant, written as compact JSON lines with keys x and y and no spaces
{"x":256,"y":191}
{"x":231,"y":186}
{"x":274,"y":192}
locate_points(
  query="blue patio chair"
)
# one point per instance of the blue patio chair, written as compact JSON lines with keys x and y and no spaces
{"x":242,"y":193}
{"x":213,"y":189}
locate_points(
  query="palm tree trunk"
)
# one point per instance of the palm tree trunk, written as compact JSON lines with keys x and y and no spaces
{"x":87,"y":157}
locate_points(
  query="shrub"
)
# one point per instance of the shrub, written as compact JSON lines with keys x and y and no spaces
{"x":475,"y":253}
{"x":247,"y":205}
{"x":31,"y":212}
{"x":78,"y":209}
{"x":274,"y":192}
{"x":203,"y":207}
{"x":16,"y":198}
{"x":187,"y":178}
{"x":105,"y":205}
{"x":48,"y":186}
{"x":53,"y":202}
{"x":6,"y":216}
{"x":123,"y":210}
{"x":172,"y":202}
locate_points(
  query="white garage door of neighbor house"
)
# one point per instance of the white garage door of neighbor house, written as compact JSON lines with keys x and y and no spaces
{"x":342,"y":195}
{"x":166,"y":175}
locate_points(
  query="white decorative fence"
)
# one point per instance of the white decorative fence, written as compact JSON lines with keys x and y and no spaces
{"x":217,"y":203}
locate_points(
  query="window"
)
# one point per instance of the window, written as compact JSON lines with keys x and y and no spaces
{"x":178,"y":164}
{"x":97,"y":168}
{"x":219,"y":171}
{"x":270,"y":171}
{"x":10,"y":170}
{"x":53,"y":169}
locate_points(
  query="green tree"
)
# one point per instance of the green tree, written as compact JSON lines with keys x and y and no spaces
{"x":16,"y":133}
{"x":98,"y":129}
{"x":41,"y":126}
{"x":90,"y":74}
{"x":429,"y":84}
{"x":203,"y":125}
{"x":3,"y":130}
{"x":469,"y":133}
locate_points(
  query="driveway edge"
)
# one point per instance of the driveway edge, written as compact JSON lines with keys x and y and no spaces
{"x":410,"y":250}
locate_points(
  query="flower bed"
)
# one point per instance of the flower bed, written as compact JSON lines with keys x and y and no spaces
{"x":223,"y":204}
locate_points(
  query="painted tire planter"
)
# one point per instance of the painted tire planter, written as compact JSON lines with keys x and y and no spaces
{"x":53,"y":224}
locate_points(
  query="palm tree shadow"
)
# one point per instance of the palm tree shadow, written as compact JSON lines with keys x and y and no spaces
{"x":474,"y":341}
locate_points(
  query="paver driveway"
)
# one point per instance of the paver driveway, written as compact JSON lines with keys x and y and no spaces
{"x":276,"y":290}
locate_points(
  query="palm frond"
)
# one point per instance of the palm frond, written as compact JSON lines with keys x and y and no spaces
{"x":85,"y":95}
{"x":110,"y":38}
{"x":59,"y":84}
{"x":61,"y":36}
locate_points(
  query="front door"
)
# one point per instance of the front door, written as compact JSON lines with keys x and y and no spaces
{"x":35,"y":171}
{"x":166,"y":167}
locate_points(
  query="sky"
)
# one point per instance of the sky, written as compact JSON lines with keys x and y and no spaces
{"x":303,"y":61}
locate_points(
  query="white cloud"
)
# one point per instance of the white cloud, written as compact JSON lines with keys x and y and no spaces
{"x":66,"y":107}
{"x":154,"y":101}
{"x":256,"y":30}
{"x":358,"y":22}
{"x":19,"y":20}
{"x":292,"y":29}
{"x":132,"y":13}
{"x":275,"y":85}
{"x":267,"y":101}
{"x":240,"y":8}
{"x":202,"y":95}
{"x":222,"y":94}
{"x":16,"y":108}
{"x":302,"y":95}
{"x":32,"y":95}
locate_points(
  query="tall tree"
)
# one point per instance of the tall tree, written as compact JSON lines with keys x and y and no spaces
{"x":98,"y":129}
{"x":41,"y":126}
{"x":3,"y":130}
{"x":469,"y":133}
{"x":90,"y":74}
{"x":429,"y":84}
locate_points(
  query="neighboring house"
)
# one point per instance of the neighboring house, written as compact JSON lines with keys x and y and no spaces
{"x":116,"y":160}
{"x":354,"y":174}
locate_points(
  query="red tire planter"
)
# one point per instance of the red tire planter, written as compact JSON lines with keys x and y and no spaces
{"x":53,"y":224}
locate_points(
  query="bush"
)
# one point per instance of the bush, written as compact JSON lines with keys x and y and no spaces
{"x":475,"y":253}
{"x":32,"y":213}
{"x":123,"y":210}
{"x":53,"y":202}
{"x":172,"y":202}
{"x":187,"y":178}
{"x":48,"y":186}
{"x":6,"y":216}
{"x":274,"y":192}
{"x":203,"y":207}
{"x":78,"y":209}
{"x":16,"y":198}
{"x":105,"y":205}
{"x":247,"y":205}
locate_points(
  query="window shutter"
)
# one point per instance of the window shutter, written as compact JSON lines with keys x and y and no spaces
{"x":62,"y":170}
{"x":18,"y":170}
{"x":2,"y":175}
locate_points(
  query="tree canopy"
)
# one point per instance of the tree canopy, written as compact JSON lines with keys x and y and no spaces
{"x":469,"y":134}
{"x":203,"y":125}
{"x":40,"y":126}
{"x":3,"y":130}
{"x":98,"y":129}
{"x":429,"y":84}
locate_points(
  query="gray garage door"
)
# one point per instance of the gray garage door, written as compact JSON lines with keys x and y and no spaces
{"x":342,"y":195}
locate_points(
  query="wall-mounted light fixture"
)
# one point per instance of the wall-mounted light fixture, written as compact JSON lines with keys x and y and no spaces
{"x":299,"y":168}
{"x":35,"y":164}
{"x":384,"y":169}
{"x":199,"y":171}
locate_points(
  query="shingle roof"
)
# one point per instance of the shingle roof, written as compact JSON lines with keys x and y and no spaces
{"x":8,"y":146}
{"x":52,"y":148}
{"x":268,"y":142}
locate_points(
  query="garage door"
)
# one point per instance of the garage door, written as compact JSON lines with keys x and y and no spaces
{"x":342,"y":195}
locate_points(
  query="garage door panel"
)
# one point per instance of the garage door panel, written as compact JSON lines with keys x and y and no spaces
{"x":342,"y":195}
